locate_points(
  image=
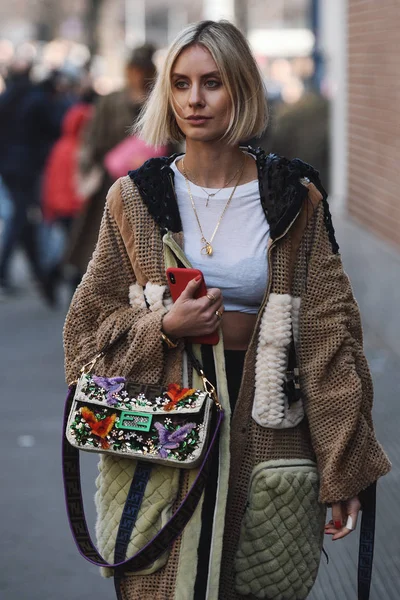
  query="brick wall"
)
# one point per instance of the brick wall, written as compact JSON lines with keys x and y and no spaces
{"x":374,"y":116}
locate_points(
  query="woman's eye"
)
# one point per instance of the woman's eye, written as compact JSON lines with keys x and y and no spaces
{"x":212,"y":84}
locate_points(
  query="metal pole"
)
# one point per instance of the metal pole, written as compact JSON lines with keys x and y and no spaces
{"x":135,"y":22}
{"x":241,"y":15}
{"x":91,"y":22}
{"x":317,"y":53}
{"x":177,"y":20}
{"x":223,"y":9}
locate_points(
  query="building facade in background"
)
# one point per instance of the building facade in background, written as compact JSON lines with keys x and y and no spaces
{"x":360,"y":45}
{"x":374,"y":117}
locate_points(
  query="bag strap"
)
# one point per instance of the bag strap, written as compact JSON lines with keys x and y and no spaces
{"x":131,"y":509}
{"x":128,"y":519}
{"x":367,"y":538}
{"x":164,"y":538}
{"x":291,"y":384}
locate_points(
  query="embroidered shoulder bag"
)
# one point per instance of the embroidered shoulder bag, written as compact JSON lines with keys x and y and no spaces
{"x":155,"y":425}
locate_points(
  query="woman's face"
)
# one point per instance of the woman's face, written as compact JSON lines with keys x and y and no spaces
{"x":200,"y":99}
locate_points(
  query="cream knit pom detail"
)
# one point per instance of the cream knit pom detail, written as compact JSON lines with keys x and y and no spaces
{"x":153,"y":294}
{"x":270,"y":407}
{"x":136,"y":297}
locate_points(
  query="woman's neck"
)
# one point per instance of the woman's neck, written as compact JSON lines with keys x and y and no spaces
{"x":212,"y":165}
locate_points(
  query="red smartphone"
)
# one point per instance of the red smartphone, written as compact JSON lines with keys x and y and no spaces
{"x":178,"y":278}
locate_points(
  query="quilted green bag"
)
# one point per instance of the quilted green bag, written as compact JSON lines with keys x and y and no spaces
{"x":282,"y":531}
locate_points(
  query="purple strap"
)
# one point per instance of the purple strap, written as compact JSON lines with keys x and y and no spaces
{"x":164,"y":538}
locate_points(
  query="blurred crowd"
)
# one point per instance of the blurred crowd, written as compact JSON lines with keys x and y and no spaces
{"x":61,"y":148}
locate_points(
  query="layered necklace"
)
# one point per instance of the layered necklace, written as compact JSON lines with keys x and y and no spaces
{"x":207,"y":248}
{"x":211,"y":195}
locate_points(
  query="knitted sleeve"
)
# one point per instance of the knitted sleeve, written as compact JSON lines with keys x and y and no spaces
{"x":335,"y":377}
{"x":100,"y":310}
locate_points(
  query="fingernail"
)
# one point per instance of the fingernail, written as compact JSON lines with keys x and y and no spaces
{"x":198,"y":278}
{"x":338,"y":524}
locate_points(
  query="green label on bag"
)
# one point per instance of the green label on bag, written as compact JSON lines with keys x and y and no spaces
{"x":135,"y":421}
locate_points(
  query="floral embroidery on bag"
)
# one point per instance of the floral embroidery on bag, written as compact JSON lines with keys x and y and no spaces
{"x":177,"y":395}
{"x":170,"y":440}
{"x":112,"y":391}
{"x":133,"y":418}
{"x":112,"y":385}
{"x":100,"y":427}
{"x":101,"y":430}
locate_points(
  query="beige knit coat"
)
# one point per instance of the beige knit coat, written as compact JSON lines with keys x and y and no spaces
{"x":337,"y":429}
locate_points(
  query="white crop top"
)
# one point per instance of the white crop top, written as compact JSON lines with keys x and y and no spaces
{"x":238,"y":265}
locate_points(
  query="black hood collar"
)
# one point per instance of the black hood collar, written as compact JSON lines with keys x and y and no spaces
{"x":281,"y":192}
{"x":155,"y":182}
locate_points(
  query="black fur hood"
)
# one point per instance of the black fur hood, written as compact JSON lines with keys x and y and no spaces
{"x":281,"y":192}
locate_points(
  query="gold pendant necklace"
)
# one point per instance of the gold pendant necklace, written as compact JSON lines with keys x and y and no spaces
{"x":207,"y":249}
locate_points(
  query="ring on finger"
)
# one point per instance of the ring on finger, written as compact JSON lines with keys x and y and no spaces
{"x":349,"y":523}
{"x":218,"y":313}
{"x":211,"y":297}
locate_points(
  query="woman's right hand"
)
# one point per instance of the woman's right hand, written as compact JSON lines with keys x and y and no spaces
{"x":191,"y":316}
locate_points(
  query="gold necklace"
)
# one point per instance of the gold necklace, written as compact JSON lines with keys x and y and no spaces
{"x":223,"y":187}
{"x":207,"y":248}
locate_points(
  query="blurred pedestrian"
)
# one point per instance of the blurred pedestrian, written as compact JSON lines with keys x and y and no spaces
{"x":18,"y":85}
{"x":302,"y":129}
{"x":113,"y":117}
{"x":289,"y":366}
{"x":32,"y":115}
{"x":6,"y":211}
{"x":61,"y":197}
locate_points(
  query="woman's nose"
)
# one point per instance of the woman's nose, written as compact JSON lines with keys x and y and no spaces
{"x":196,"y":98}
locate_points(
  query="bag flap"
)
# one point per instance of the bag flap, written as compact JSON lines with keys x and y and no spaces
{"x":120,"y":394}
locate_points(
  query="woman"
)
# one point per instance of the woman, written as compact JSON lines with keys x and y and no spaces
{"x":259,"y":228}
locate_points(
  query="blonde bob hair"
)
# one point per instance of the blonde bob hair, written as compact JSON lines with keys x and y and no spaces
{"x":240,"y":75}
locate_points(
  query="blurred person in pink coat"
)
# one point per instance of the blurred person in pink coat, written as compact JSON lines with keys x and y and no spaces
{"x":111,"y":124}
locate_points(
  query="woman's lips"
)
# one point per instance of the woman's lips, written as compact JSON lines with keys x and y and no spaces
{"x":198,"y":120}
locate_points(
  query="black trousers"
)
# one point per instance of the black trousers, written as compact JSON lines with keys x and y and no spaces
{"x":22,"y":229}
{"x":234,"y":360}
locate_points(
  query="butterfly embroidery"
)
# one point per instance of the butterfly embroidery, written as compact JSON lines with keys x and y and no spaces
{"x":112,"y":385}
{"x":176,"y":393}
{"x":170,"y":440}
{"x":99,"y":427}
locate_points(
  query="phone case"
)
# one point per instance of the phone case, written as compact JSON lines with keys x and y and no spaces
{"x":178,"y":278}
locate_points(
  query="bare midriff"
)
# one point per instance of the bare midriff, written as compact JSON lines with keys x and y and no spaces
{"x":237,"y":329}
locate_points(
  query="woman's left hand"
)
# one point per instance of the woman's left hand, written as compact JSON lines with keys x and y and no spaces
{"x":344,"y":518}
